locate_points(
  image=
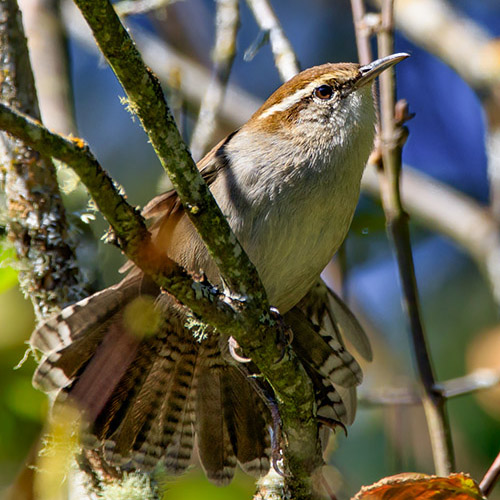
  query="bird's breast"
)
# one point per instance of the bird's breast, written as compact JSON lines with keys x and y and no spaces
{"x":290,"y":225}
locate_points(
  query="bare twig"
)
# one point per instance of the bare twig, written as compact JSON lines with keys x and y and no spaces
{"x":479,"y":380}
{"x":237,"y":106}
{"x":284,"y":55}
{"x":437,"y":26}
{"x":363,"y":31}
{"x":391,"y":139}
{"x":46,"y":35}
{"x":131,"y":7}
{"x":491,"y":477}
{"x":227,"y":22}
{"x":389,"y":396}
{"x":474,"y":54}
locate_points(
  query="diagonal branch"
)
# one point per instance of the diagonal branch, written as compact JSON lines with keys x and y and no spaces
{"x":128,"y":225}
{"x":284,"y":55}
{"x":256,"y":328}
{"x":227,"y":20}
{"x":146,"y":100}
{"x":491,"y":477}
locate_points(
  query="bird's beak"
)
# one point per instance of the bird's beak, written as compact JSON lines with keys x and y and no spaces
{"x":372,"y":70}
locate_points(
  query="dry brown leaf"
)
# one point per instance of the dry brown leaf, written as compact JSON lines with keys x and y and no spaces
{"x":414,"y":486}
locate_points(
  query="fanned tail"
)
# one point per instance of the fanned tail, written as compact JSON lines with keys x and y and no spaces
{"x":142,"y":394}
{"x":150,"y":398}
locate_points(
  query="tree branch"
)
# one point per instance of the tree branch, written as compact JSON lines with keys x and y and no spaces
{"x":37,"y":224}
{"x":451,"y":213}
{"x":391,"y":140}
{"x":479,"y":380}
{"x":284,"y":55}
{"x":474,"y":54}
{"x":128,"y":225}
{"x":491,"y":477}
{"x":227,"y":21}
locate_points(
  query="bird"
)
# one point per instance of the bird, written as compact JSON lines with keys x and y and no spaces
{"x":288,"y":183}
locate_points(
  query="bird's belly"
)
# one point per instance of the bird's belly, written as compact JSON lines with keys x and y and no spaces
{"x":290,"y":252}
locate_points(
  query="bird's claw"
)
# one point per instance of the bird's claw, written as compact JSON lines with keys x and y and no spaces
{"x":233,"y":346}
{"x":331,"y":423}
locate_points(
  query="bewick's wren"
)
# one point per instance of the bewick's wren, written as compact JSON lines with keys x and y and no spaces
{"x":288,"y":183}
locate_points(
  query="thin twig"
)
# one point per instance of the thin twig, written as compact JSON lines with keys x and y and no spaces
{"x":456,"y":39}
{"x":389,"y":396}
{"x":47,"y":42}
{"x":284,"y":55}
{"x":397,"y":223}
{"x":227,"y":21}
{"x":480,"y":380}
{"x":133,"y":7}
{"x":363,"y":34}
{"x":491,"y":477}
{"x":450,"y":212}
{"x":238,"y":104}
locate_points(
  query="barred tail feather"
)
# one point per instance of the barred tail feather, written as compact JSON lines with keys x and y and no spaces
{"x":155,"y":423}
{"x":70,"y":339}
{"x":324,"y":353}
{"x":215,"y":433}
{"x":169,"y":438}
{"x":329,"y":403}
{"x":78,"y":321}
{"x":342,"y":318}
{"x":324,"y":308}
{"x":249,"y":416}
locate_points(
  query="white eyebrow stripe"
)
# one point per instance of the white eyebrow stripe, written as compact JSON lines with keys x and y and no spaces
{"x":290,"y":100}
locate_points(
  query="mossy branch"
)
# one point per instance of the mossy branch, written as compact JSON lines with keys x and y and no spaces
{"x":36,"y":219}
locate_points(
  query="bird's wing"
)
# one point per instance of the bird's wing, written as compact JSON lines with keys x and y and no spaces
{"x":209,"y":166}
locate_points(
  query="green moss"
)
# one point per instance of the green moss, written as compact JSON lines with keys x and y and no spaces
{"x":132,"y":487}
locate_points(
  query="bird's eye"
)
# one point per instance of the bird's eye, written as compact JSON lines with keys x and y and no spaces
{"x":323,"y":92}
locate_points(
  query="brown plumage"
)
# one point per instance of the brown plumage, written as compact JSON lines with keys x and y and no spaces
{"x":151,"y":382}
